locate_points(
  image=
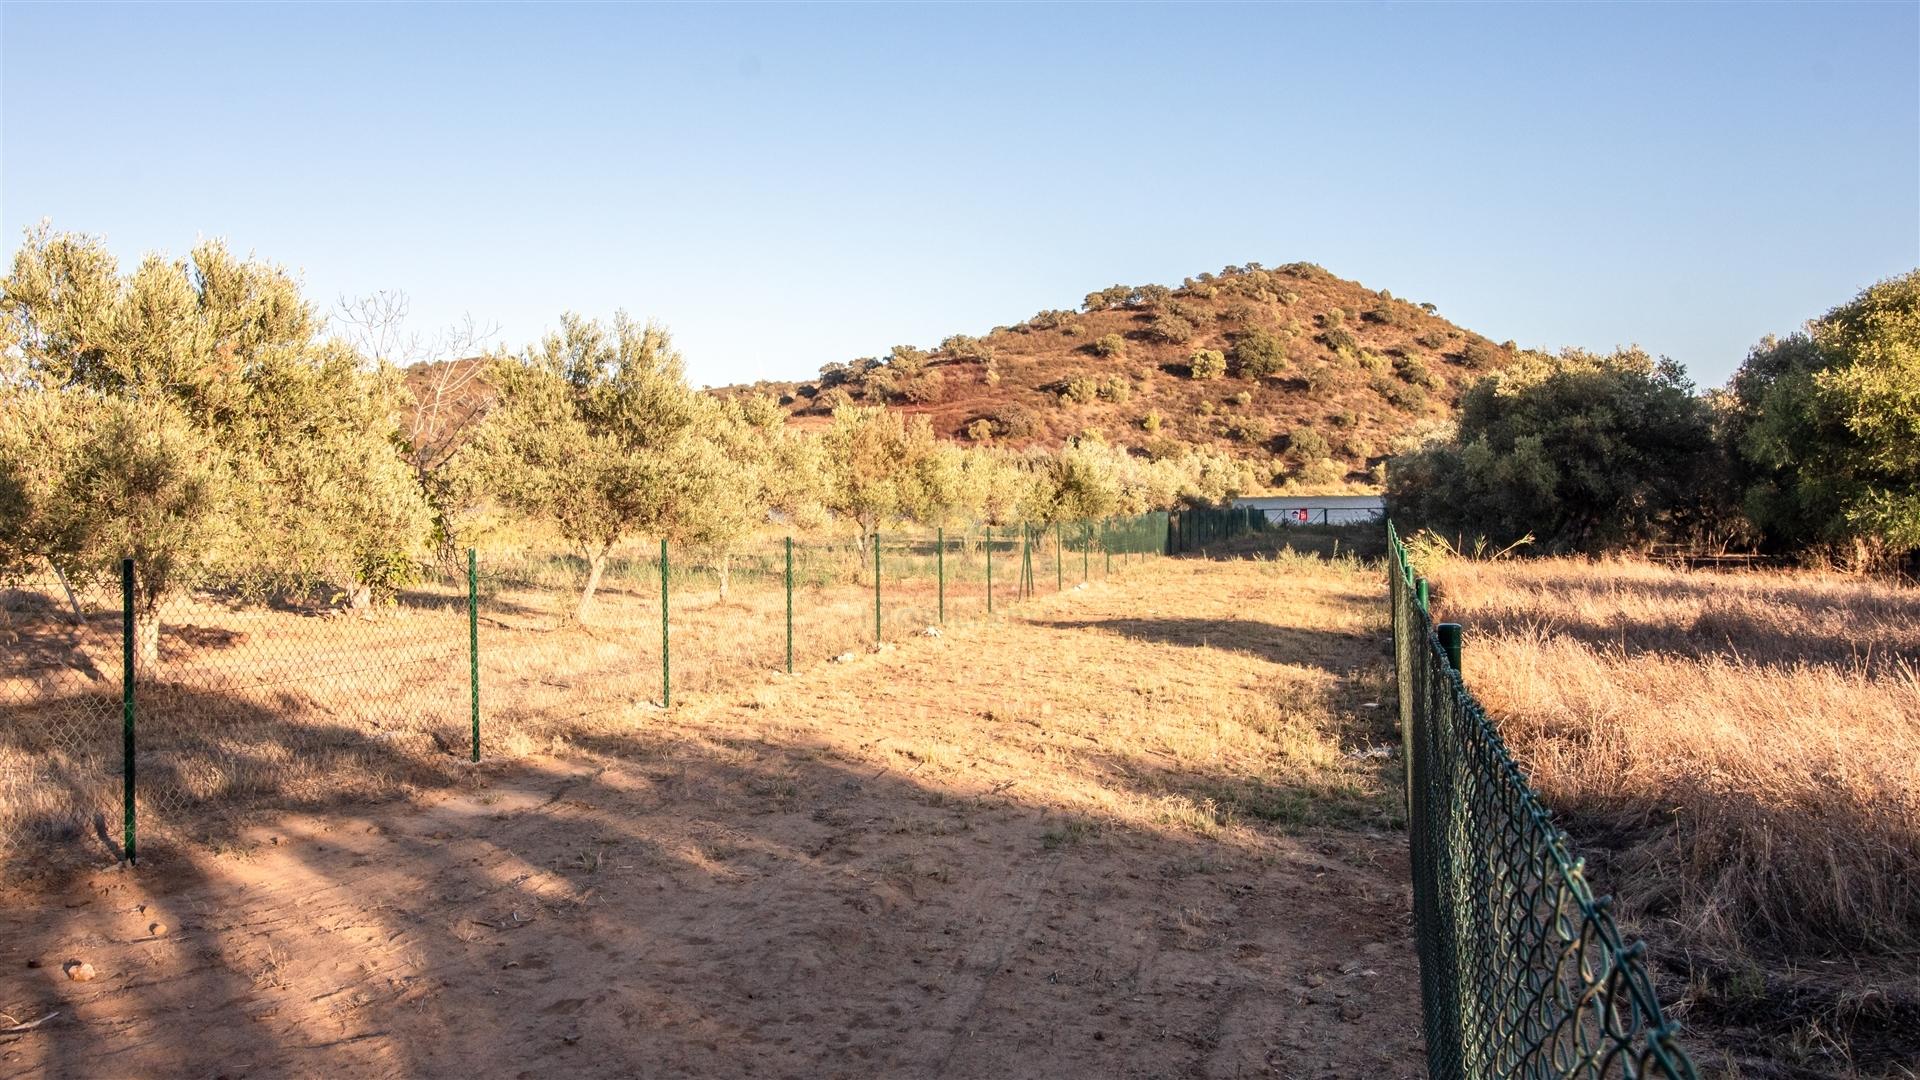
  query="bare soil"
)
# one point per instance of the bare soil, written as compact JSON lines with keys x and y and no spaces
{"x":1142,"y":829}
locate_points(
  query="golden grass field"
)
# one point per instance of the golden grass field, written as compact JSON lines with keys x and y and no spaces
{"x":1739,"y":754}
{"x":1149,"y":827}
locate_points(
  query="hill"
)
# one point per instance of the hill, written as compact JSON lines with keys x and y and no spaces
{"x":1318,"y":376}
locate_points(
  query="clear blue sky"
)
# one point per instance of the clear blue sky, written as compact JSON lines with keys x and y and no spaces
{"x":784,"y":186}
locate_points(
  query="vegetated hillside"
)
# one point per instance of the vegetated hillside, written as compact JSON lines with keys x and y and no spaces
{"x":1318,"y":376}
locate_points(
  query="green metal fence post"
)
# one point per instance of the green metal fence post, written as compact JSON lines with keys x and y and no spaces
{"x":1449,"y":635}
{"x":789,"y":605}
{"x":127,"y":650}
{"x":1086,"y":550}
{"x":473,"y":643}
{"x":1420,"y":593}
{"x":876,"y":588}
{"x":940,"y":567}
{"x":1106,"y":544}
{"x":666,"y":651}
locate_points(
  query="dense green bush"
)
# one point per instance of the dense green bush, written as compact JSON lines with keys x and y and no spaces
{"x":1305,"y":444}
{"x":1584,"y":452}
{"x":1258,"y":354}
{"x":1402,"y":396}
{"x":1413,"y":370}
{"x":1080,"y":389}
{"x":1338,"y":338}
{"x":1824,"y":430}
{"x":1109,"y":345}
{"x":1170,"y":330}
{"x":1207,"y":364}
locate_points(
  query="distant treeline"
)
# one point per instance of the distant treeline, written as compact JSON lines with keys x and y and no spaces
{"x":1812,"y":451}
{"x":201,"y":417}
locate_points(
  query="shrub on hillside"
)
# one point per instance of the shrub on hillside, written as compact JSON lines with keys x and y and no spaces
{"x":1080,"y":389}
{"x":1259,"y":354}
{"x":1014,"y":421}
{"x":1338,"y":338}
{"x":1402,"y":396}
{"x":980,"y":430}
{"x":1151,"y":422}
{"x":1207,"y":364}
{"x":1243,"y":399}
{"x":1304,"y":444}
{"x":1431,"y":339}
{"x":1170,"y":330}
{"x":1345,"y":418}
{"x":966,"y":347}
{"x":1249,"y":429}
{"x":1479,"y":355}
{"x":1051,"y":319}
{"x":1390,"y":312}
{"x":1109,"y":345}
{"x":1414,"y":371}
{"x":1115,"y":388}
{"x":1320,"y":472}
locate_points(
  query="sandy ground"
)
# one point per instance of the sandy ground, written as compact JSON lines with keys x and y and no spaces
{"x":1014,"y":850}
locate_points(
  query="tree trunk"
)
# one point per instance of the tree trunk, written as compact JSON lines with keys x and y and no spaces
{"x":360,"y":597}
{"x":146,"y":637}
{"x":596,"y":565}
{"x":726,"y":564}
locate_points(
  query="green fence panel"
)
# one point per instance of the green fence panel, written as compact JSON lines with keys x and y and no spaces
{"x":1523,"y":972}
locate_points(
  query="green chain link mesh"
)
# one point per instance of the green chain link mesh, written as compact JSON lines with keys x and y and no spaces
{"x":1523,"y":972}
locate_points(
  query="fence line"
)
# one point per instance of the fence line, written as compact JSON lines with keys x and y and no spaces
{"x":180,"y":715}
{"x":1523,"y":973}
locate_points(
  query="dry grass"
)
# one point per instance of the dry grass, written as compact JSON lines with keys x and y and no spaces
{"x":1743,"y":752}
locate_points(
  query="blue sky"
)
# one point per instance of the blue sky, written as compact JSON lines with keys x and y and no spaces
{"x":784,"y":185}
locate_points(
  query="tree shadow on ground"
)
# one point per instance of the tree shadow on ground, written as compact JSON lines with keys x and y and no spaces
{"x":669,"y":906}
{"x":1332,"y":650}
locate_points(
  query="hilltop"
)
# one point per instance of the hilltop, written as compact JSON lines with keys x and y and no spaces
{"x":1318,"y":376}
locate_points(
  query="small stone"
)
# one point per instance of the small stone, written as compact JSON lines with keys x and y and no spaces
{"x":79,"y":971}
{"x":158,"y":929}
{"x":34,"y":963}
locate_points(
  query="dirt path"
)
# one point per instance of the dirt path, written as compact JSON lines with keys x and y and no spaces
{"x":1139,"y":830}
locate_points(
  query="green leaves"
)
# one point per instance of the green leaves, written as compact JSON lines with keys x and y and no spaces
{"x":1825,"y":427}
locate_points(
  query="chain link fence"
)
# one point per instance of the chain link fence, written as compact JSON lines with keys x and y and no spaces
{"x":247,"y":698}
{"x":1523,"y":972}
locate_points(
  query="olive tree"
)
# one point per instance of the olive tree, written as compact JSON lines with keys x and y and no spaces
{"x":593,"y":434}
{"x":190,"y":405}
